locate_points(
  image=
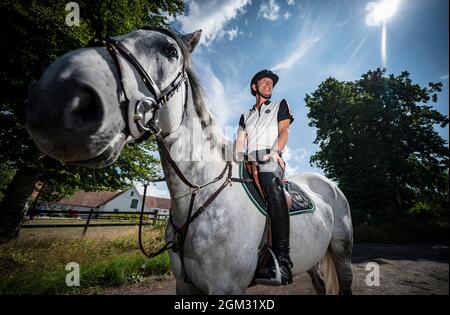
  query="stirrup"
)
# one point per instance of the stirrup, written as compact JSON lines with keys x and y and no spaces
{"x":273,"y":281}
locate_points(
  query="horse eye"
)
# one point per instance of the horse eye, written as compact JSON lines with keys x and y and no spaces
{"x":171,"y":52}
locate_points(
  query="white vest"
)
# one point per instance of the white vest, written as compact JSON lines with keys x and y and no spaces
{"x":261,"y":126}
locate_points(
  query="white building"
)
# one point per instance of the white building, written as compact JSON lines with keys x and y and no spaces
{"x":129,"y":201}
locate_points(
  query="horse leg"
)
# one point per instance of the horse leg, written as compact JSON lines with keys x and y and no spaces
{"x":341,"y":252}
{"x":317,"y":279}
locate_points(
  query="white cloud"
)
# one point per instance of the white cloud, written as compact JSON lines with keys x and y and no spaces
{"x":445,"y":77}
{"x":226,"y":98}
{"x":287,"y":15}
{"x":232,"y":33}
{"x":296,"y":55}
{"x":269,"y":10}
{"x":211,"y":17}
{"x":314,"y":29}
{"x":341,"y":73}
{"x":169,"y":18}
{"x":218,"y":97}
{"x":361,"y":43}
{"x":290,"y":2}
{"x":297,"y":155}
{"x":293,"y":157}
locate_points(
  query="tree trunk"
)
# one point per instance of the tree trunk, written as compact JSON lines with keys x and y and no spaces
{"x":13,"y":206}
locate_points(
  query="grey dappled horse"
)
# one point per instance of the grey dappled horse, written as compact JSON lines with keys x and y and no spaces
{"x":80,"y":111}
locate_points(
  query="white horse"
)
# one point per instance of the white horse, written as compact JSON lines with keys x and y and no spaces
{"x":89,"y":103}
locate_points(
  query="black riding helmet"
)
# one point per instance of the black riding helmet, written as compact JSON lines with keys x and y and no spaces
{"x":263,"y":74}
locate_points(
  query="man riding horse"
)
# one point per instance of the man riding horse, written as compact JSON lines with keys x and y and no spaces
{"x":265,"y":130}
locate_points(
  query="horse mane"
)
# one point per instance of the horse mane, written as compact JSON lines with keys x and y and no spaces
{"x":206,"y":118}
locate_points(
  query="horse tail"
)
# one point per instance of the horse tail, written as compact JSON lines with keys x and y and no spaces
{"x":328,"y":270}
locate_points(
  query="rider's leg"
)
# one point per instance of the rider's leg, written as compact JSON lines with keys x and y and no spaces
{"x":270,"y":178}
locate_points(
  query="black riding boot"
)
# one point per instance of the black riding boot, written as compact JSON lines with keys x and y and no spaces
{"x":279,"y":213}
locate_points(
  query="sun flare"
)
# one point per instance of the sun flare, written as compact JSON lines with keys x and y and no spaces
{"x":379,"y":13}
{"x":385,"y":10}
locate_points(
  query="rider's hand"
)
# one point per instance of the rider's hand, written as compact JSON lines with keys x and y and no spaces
{"x":274,"y":156}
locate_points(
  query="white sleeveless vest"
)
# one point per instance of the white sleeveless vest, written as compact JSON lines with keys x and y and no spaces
{"x":261,"y":126}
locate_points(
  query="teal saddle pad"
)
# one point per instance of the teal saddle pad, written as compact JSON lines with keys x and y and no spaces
{"x":301,"y":202}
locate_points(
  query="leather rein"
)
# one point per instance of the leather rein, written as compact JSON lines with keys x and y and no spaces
{"x":139,"y":124}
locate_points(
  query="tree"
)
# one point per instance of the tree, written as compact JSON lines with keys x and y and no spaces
{"x":377,"y":140}
{"x":34,"y":34}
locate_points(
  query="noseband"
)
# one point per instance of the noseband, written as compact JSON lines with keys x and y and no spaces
{"x":137,"y":111}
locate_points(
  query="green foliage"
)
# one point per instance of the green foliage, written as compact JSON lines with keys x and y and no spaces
{"x":6,"y":175}
{"x":377,"y":140}
{"x":33,"y":35}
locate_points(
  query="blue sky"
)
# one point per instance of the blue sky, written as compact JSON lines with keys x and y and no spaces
{"x":305,"y":42}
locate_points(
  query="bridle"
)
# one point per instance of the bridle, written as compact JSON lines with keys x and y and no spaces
{"x":138,"y":124}
{"x":136,"y":111}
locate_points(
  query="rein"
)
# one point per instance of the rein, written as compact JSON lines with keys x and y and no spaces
{"x":138,"y":125}
{"x":180,"y":233}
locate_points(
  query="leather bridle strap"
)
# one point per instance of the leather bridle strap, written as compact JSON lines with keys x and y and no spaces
{"x":163,"y":96}
{"x":166,"y":153}
{"x":112,"y":44}
{"x":116,"y":48}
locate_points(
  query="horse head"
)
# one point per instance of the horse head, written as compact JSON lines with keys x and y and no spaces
{"x":90,"y":102}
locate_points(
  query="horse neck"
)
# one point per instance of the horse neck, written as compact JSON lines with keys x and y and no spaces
{"x":197,"y":147}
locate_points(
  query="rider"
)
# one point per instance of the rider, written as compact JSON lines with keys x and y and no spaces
{"x":265,"y":128}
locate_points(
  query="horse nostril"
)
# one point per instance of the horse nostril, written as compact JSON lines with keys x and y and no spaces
{"x":85,"y":113}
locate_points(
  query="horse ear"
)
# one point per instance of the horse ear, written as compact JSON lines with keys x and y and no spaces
{"x":191,"y":40}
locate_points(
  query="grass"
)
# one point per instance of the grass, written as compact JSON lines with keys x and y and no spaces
{"x":35,"y":263}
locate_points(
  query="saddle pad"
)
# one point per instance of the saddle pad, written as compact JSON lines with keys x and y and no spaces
{"x":301,"y":202}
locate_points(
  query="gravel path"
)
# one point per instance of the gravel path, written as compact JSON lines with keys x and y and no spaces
{"x":404,"y":269}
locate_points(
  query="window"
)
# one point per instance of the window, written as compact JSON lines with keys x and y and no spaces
{"x":132,"y":193}
{"x":134,"y":203}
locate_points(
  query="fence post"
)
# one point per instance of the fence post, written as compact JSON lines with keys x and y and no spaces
{"x":87,"y":222}
{"x":155,"y":216}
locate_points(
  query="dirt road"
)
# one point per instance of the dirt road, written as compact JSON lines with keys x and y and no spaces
{"x":404,"y":269}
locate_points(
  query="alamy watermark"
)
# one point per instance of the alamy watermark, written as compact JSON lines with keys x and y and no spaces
{"x":373,"y":277}
{"x":73,"y":17}
{"x":73,"y":276}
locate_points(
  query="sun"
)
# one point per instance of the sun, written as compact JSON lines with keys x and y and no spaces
{"x":379,"y":13}
{"x":385,"y":10}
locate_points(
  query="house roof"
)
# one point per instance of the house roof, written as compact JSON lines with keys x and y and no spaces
{"x":157,"y":202}
{"x":89,"y":199}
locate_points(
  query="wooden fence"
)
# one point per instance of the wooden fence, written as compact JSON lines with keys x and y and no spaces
{"x":149,"y":217}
